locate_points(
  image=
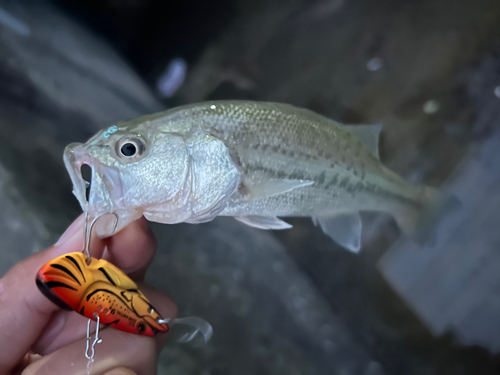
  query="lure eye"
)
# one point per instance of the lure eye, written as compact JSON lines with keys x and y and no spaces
{"x":130,"y":147}
{"x":141,"y":327}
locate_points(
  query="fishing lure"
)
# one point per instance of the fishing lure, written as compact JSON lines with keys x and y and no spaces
{"x":99,"y":291}
{"x":103,"y":293}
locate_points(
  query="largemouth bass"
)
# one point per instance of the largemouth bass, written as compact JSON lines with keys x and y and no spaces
{"x":254,"y":161}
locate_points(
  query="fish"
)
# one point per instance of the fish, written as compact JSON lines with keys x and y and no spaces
{"x":99,"y":289}
{"x":258,"y":162}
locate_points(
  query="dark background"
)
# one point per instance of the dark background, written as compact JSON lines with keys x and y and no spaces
{"x":289,"y":302}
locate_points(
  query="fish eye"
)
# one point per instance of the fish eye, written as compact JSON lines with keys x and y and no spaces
{"x":130,"y":147}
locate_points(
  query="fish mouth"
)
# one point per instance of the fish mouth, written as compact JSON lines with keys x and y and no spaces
{"x":106,"y":189}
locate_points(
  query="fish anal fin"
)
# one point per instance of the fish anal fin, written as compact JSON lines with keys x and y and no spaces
{"x":369,"y":134}
{"x":274,"y":187}
{"x":344,"y":229}
{"x":264,"y":222}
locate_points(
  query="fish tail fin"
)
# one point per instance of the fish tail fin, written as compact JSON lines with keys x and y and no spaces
{"x":416,"y":221}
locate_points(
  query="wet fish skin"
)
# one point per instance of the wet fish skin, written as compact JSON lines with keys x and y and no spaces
{"x":252,"y":160}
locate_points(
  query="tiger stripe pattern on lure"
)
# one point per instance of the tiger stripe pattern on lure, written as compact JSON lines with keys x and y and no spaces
{"x":98,"y":289}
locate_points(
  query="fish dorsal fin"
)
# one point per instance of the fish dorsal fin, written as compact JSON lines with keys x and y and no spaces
{"x":263,"y":222}
{"x":275,"y":187}
{"x":369,"y":134}
{"x":344,"y":229}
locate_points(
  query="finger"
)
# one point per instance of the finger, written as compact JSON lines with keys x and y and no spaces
{"x":24,"y":311}
{"x":118,"y":349}
{"x":120,"y":371}
{"x":25,"y":362}
{"x":132,"y":249}
{"x":63,"y":328}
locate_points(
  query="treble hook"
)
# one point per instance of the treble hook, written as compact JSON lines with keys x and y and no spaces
{"x":90,"y":348}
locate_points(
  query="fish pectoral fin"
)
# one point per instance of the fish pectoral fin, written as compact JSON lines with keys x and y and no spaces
{"x":275,"y":187}
{"x":264,"y":222}
{"x":369,"y":134}
{"x":344,"y":229}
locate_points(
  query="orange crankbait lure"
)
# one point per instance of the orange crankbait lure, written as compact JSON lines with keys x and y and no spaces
{"x":99,"y":290}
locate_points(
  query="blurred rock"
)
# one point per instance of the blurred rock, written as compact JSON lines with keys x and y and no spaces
{"x":268,"y":318}
{"x":280,"y":303}
{"x":21,"y":236}
{"x":453,"y":283}
{"x":59,"y":84}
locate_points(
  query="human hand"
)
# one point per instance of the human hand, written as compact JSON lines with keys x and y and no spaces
{"x":37,"y":337}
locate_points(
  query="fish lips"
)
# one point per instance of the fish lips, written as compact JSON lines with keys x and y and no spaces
{"x":106,"y":189}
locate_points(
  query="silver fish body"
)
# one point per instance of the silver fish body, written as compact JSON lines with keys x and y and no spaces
{"x":255,"y":161}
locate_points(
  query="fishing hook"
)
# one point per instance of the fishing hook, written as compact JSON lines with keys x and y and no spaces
{"x":87,"y":230}
{"x":87,"y":236}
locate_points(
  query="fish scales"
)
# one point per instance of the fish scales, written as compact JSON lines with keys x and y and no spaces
{"x":276,"y":141}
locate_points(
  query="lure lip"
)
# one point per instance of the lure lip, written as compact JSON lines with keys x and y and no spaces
{"x":155,"y":326}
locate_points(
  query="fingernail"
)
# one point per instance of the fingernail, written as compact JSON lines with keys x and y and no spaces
{"x":72,"y":230}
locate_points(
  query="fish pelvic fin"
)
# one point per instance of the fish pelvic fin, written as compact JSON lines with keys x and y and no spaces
{"x":264,"y":222}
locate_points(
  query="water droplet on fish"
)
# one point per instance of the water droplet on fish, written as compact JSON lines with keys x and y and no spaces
{"x":374,"y":64}
{"x":431,"y":107}
{"x":213,"y":106}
